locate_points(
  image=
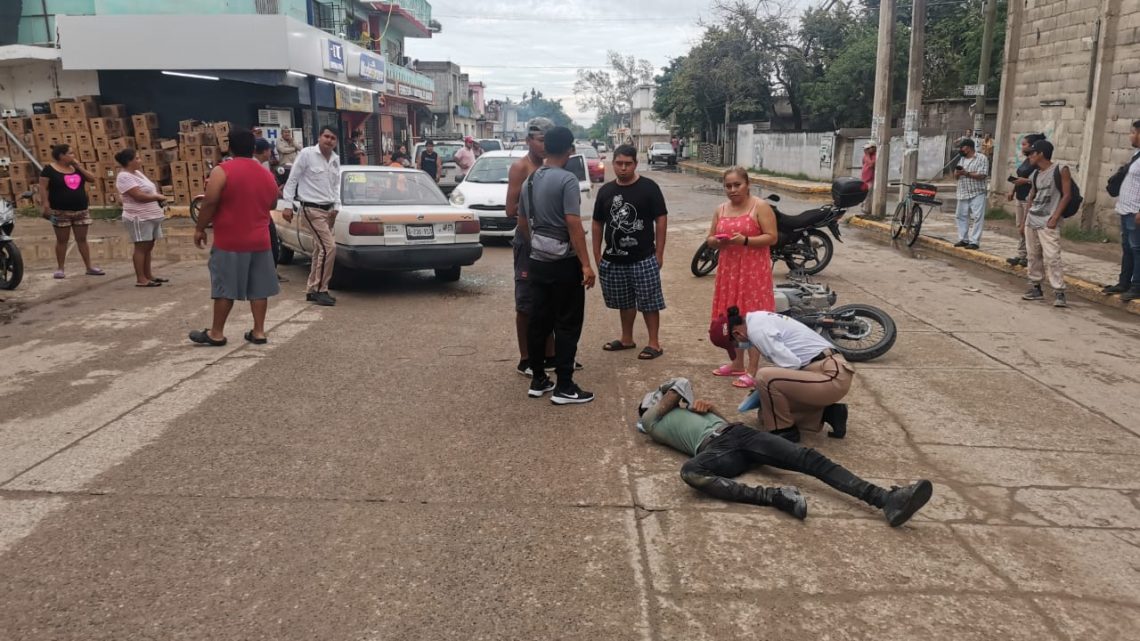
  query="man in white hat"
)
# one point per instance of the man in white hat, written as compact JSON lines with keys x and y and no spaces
{"x":870,"y":156}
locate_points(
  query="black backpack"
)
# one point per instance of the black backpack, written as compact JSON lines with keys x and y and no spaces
{"x":1116,"y":181}
{"x":1075,"y":201}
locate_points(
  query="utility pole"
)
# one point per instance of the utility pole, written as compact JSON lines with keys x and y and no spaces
{"x":881,"y":118}
{"x":984,"y":66}
{"x":913,"y":94}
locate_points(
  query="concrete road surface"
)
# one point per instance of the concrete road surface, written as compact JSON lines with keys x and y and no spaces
{"x":377,"y":472}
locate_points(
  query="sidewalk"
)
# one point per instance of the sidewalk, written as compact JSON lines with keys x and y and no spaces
{"x":809,"y":187}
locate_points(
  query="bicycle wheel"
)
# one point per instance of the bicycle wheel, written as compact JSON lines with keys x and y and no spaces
{"x":898,"y":221}
{"x":915,"y":226}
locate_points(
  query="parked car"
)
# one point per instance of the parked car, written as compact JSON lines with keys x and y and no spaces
{"x":602,"y":148}
{"x":594,"y":163}
{"x":491,"y":144}
{"x":662,"y":152}
{"x":392,"y":219}
{"x":447,"y":170}
{"x":484,"y":190}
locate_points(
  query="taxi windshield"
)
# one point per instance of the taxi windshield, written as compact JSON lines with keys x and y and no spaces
{"x":389,"y":188}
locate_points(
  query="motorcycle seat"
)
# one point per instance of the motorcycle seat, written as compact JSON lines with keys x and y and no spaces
{"x":803,"y":220}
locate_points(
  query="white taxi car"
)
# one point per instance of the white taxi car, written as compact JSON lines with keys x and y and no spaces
{"x":391,"y":219}
{"x":485,"y":189}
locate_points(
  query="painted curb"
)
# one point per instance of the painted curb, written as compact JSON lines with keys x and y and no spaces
{"x":1079,"y":286}
{"x":767,"y":181}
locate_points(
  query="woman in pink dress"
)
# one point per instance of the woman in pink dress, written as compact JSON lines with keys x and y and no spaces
{"x":742,"y":229}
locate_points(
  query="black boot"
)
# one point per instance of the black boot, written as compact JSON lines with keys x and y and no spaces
{"x":835,"y":415}
{"x":786,"y":499}
{"x":903,"y":502}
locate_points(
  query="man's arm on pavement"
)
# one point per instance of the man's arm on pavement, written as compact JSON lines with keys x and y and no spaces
{"x":669,"y":402}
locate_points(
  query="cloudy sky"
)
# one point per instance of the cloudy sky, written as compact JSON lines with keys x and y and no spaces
{"x":513,"y":45}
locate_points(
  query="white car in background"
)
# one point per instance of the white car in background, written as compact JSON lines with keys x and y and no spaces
{"x":391,"y":219}
{"x":484,"y":190}
{"x":448,"y":170}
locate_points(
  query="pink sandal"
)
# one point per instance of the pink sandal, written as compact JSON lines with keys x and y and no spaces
{"x":726,"y":370}
{"x":744,"y":382}
{"x":59,"y":275}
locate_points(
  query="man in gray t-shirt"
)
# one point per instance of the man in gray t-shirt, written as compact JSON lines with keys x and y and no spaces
{"x":1050,"y":192}
{"x":560,"y":269}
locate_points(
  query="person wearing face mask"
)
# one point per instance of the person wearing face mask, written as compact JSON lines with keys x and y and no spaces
{"x":803,"y":390}
{"x":743,"y":229}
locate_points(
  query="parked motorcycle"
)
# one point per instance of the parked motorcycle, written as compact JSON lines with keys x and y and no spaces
{"x":11,"y":262}
{"x":860,"y":332}
{"x":802,"y":244}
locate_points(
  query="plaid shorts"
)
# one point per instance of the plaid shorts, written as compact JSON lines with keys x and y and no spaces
{"x":626,"y":286}
{"x":63,"y":218}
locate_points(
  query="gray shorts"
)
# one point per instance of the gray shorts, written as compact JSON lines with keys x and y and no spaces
{"x":141,"y":231}
{"x":522,"y":273}
{"x":242,"y":275}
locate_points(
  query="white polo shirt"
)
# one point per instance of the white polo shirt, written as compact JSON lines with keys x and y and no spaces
{"x":784,"y":341}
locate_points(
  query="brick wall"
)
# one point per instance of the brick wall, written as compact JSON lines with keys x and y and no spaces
{"x":1124,"y":102}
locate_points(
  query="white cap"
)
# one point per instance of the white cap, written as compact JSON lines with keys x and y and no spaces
{"x":870,"y":145}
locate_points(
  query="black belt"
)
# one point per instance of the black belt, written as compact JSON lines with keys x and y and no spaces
{"x":822,"y":355}
{"x":324,"y":206}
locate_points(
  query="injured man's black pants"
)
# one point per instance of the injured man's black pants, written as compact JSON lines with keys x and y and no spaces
{"x":739,"y":448}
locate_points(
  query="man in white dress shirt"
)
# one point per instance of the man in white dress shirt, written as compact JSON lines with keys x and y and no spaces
{"x":810,"y":378}
{"x":314,"y":181}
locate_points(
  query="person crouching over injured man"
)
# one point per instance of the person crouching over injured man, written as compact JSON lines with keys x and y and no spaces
{"x":810,"y":378}
{"x":722,"y":450}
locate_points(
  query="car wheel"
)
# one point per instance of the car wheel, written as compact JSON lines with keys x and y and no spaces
{"x":448,"y":275}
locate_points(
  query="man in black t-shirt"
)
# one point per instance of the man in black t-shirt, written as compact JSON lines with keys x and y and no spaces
{"x":429,"y":161}
{"x":630,"y":214}
{"x":1020,"y":192}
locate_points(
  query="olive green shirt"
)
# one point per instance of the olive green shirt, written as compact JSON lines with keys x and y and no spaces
{"x":681,"y":429}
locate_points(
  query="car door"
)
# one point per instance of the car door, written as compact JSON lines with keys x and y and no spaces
{"x":577,"y":166}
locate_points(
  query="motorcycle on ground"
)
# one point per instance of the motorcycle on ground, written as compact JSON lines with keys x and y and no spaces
{"x":802,"y":246}
{"x":11,"y":262}
{"x":860,"y":332}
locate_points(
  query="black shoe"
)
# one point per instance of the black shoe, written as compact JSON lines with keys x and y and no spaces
{"x":788,"y":499}
{"x":961,"y":243}
{"x":1024,"y":262}
{"x":903,"y":502}
{"x":1114,"y":289}
{"x":321,"y":298}
{"x":1015,"y":261}
{"x":835,"y":415}
{"x":1131,"y":294}
{"x":789,"y":433}
{"x":540,"y":386}
{"x":971,"y":246}
{"x":571,"y":395}
{"x":524,"y":368}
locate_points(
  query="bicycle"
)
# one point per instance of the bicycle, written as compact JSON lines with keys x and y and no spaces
{"x":909,"y":213}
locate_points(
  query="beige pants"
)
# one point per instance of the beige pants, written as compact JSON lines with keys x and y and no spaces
{"x":319,"y":223}
{"x":798,"y":396}
{"x":1043,"y":248}
{"x":1022,"y":209}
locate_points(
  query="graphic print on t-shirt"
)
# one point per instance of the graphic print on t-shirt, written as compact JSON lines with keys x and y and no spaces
{"x":73,"y":181}
{"x":624,"y":219}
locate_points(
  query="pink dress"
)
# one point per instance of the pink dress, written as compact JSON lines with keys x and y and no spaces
{"x":743,"y":274}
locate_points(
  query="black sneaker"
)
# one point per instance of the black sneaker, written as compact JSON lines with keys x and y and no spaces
{"x":788,"y":433}
{"x":903,"y":502}
{"x":970,"y":246}
{"x":540,"y":386}
{"x":1114,"y":289}
{"x":321,"y":298}
{"x":524,"y":368}
{"x":788,"y":499}
{"x":1033,"y":293}
{"x":835,"y":415}
{"x":961,"y":243}
{"x":571,"y":395}
{"x":1131,"y":294}
{"x":1013,"y":262}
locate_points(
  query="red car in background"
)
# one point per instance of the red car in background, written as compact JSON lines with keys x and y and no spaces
{"x":594,"y":164}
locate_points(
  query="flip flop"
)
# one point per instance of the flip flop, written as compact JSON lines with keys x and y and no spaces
{"x":726,"y":370}
{"x":617,"y":346}
{"x":156,"y":279}
{"x":59,"y":275}
{"x":95,"y":271}
{"x":202,"y":337}
{"x":744,"y":382}
{"x":152,"y":283}
{"x":256,"y":341}
{"x":648,"y":353}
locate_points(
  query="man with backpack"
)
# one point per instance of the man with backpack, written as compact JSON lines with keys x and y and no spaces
{"x":1050,"y":196}
{"x":1125,"y":187}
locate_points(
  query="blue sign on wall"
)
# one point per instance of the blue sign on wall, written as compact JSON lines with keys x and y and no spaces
{"x":372,"y":67}
{"x":333,"y":55}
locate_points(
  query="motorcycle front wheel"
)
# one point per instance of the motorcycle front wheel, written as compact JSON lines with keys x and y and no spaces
{"x":868,"y":335}
{"x":195,"y":207}
{"x":704,"y":261}
{"x":811,"y":254}
{"x":11,"y":266}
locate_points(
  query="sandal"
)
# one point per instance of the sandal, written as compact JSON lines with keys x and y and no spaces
{"x":648,"y":353}
{"x":202,"y":337}
{"x":744,"y":382}
{"x":150,"y":283}
{"x":617,"y":346}
{"x":156,"y":279}
{"x":59,"y":275}
{"x":95,"y":271}
{"x":256,"y":341}
{"x":726,"y":370}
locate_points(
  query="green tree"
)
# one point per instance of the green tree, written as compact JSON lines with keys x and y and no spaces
{"x":534,"y":105}
{"x":610,"y":93}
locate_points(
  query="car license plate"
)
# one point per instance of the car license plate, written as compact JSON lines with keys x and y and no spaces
{"x":420,"y":232}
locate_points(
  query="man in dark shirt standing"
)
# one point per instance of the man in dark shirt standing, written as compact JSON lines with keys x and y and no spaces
{"x":429,"y":161}
{"x":560,"y":269}
{"x":1020,"y":192}
{"x":630,"y":214}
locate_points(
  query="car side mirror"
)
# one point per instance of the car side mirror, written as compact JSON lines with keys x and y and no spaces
{"x":774,"y":198}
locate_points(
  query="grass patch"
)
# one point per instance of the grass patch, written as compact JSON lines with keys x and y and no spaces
{"x":998,"y":214}
{"x":780,"y":174}
{"x":106,"y":213}
{"x":1074,"y":233}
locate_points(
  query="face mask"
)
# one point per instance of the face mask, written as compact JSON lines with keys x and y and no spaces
{"x":744,"y":345}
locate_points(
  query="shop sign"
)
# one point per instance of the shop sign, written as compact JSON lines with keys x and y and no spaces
{"x":372,"y":67}
{"x":353,"y":99}
{"x":333,"y":55}
{"x":405,"y":90}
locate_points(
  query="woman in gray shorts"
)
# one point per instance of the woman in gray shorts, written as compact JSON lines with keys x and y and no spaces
{"x":142,"y":214}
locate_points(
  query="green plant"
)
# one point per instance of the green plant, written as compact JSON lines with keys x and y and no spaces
{"x":998,"y":214}
{"x":106,"y":213}
{"x":1074,"y":233}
